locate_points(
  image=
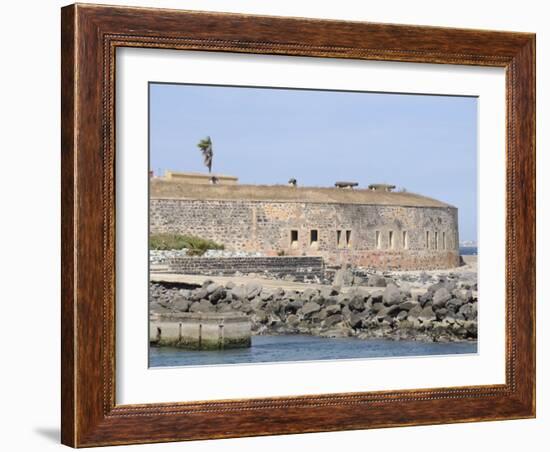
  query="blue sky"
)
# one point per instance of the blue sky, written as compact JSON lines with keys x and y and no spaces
{"x":426,"y":144}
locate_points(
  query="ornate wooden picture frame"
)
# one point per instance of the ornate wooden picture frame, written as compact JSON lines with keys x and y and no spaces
{"x":90,"y":37}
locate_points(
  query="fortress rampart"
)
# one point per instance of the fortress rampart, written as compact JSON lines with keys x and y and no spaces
{"x":382,"y":230}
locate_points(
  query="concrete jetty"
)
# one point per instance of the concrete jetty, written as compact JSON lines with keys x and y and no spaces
{"x":200,"y":331}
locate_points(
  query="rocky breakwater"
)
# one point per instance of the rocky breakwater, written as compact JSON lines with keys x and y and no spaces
{"x":444,"y":311}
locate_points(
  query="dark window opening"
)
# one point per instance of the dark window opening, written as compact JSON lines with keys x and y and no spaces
{"x":313,"y":237}
{"x":294,"y":237}
{"x":348,"y":238}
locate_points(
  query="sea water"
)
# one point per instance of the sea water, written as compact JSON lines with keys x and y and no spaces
{"x":289,"y":348}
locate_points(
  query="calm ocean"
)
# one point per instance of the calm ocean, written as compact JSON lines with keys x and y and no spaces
{"x":305,"y":348}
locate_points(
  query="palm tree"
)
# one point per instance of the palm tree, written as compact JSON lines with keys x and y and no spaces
{"x":205,"y":145}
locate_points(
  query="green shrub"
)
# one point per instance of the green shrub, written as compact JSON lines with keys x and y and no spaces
{"x":196,"y":245}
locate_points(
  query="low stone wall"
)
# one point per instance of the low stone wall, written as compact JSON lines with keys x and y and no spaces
{"x":299,"y":267}
{"x":203,"y":331}
{"x":395,"y":260}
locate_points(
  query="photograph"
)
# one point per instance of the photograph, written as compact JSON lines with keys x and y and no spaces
{"x":292,"y":224}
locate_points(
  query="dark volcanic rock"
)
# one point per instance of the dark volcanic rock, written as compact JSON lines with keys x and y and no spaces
{"x":463,"y":294}
{"x":293,"y":306}
{"x":217,"y":295}
{"x":343,"y":299}
{"x":427,"y":314}
{"x":184,"y":293}
{"x":392,"y":295}
{"x":377,"y":296}
{"x":333,"y":309}
{"x":181,"y":304}
{"x":310,"y":307}
{"x":382,"y":313}
{"x":469,"y":311}
{"x":441,"y":313}
{"x":255,"y":304}
{"x":202,"y":306}
{"x":266,"y":295}
{"x":440,"y":297}
{"x":471,"y":327}
{"x":376,"y":281}
{"x":252,"y":290}
{"x":206,"y":283}
{"x":402,"y":315}
{"x":238,"y":292}
{"x":346,"y":312}
{"x":454,"y":304}
{"x":212,"y":287}
{"x":308,"y":294}
{"x":319,"y":316}
{"x":332,"y":320}
{"x":426,"y":298}
{"x":393,"y":310}
{"x":293,"y":320}
{"x":356,"y":320}
{"x":357,"y":303}
{"x":327,"y":292}
{"x":415,"y":312}
{"x":198,"y":294}
{"x":435,"y":287}
{"x":408,"y":305}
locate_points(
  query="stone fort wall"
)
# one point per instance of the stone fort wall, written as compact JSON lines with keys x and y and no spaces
{"x":376,"y":236}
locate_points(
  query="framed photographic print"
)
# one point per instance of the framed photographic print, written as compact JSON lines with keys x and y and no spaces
{"x":281,"y":225}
